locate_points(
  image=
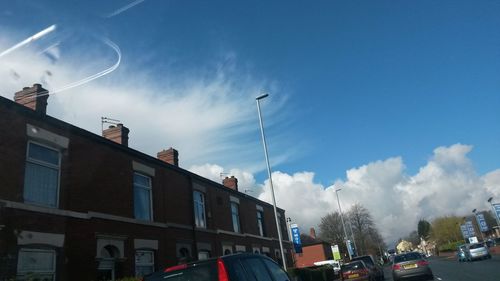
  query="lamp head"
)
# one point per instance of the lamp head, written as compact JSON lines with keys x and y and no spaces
{"x":489,"y":199}
{"x":262,"y":96}
{"x":474,"y":210}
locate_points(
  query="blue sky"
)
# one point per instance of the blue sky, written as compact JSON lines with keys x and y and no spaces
{"x":352,"y":84}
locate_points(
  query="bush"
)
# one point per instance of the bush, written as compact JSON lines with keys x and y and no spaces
{"x":321,"y":273}
{"x":449,"y":247}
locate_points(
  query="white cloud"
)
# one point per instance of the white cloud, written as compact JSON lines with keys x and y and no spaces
{"x":446,"y":185}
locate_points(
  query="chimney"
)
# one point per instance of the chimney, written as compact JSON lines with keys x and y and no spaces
{"x":34,"y":98}
{"x":118,"y":134}
{"x":170,"y":156}
{"x":231,"y":182}
{"x":312,"y":232}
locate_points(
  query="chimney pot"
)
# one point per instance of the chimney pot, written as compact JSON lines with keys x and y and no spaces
{"x":33,"y":97}
{"x":231,"y":182}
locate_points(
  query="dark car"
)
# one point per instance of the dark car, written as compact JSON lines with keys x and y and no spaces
{"x":355,"y":271}
{"x":375,"y":269}
{"x":411,"y":265}
{"x":237,"y":267}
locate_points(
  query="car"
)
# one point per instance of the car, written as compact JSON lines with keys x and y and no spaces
{"x":235,"y":267}
{"x":355,"y":271}
{"x":477,"y":251}
{"x":461,"y":256}
{"x":411,"y":265}
{"x":375,"y":269}
{"x":333,"y":263}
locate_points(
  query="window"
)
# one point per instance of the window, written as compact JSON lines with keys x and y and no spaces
{"x":199,"y":209}
{"x":142,"y":197}
{"x":36,"y":264}
{"x":41,"y":178}
{"x":203,"y":255}
{"x":257,"y":269}
{"x":144,"y":263}
{"x":260,"y":223}
{"x":235,"y":214}
{"x":276,"y":271}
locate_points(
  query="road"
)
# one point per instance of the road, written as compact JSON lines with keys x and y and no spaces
{"x":451,"y":270}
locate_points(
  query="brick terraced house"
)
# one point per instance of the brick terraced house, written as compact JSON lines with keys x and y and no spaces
{"x":78,"y":206}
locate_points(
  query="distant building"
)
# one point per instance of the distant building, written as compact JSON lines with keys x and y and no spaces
{"x":314,"y":252}
{"x":79,"y":206}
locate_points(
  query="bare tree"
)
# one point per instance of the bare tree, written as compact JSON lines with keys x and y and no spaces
{"x":330,"y":230}
{"x":367,"y":238}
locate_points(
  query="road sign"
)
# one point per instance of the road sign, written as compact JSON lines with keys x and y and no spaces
{"x":470,"y":228}
{"x":465,"y":232}
{"x":336,"y":252}
{"x":297,"y":244}
{"x":481,"y":221}
{"x":497,"y":210}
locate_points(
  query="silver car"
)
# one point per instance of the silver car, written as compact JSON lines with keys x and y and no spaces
{"x":411,"y":265}
{"x":477,"y":251}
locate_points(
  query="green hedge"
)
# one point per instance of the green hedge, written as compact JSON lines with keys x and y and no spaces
{"x":449,"y":247}
{"x":321,"y":273}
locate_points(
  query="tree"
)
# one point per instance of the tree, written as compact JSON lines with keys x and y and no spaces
{"x":331,"y":231}
{"x":424,"y":229}
{"x":367,"y":238}
{"x":306,"y":239}
{"x":446,"y":229}
{"x":413,"y":237}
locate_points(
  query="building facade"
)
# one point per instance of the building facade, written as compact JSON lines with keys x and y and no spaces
{"x":78,"y":206}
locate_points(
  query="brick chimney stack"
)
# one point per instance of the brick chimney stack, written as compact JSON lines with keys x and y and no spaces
{"x":118,"y":134}
{"x":312,"y":233}
{"x":231,"y":182}
{"x":170,"y":156}
{"x":34,"y":98}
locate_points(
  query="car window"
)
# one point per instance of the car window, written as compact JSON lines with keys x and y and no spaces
{"x":352,"y":266}
{"x":367,"y":260}
{"x":276,"y":271}
{"x":237,"y":271}
{"x":475,"y":246}
{"x":205,"y":272}
{"x":407,"y":257}
{"x":255,"y":267}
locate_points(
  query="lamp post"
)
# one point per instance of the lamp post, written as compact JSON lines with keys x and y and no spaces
{"x":343,"y":225}
{"x":495,"y":214}
{"x":478,"y":226}
{"x":270,"y":179}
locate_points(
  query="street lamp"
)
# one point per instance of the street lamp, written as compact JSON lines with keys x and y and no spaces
{"x":494,"y":211}
{"x":343,"y":225}
{"x":478,"y":226}
{"x":270,"y":179}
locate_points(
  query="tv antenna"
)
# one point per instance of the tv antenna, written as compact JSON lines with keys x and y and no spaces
{"x":107,"y":120}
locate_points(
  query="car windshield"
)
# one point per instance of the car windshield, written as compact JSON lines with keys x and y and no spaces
{"x":407,"y":257}
{"x":366,"y":259}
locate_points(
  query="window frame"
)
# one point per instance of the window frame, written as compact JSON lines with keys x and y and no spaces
{"x":260,"y":223}
{"x":197,"y":203}
{"x":46,"y":165}
{"x":150,"y":191}
{"x":152,"y":252}
{"x":236,"y":216}
{"x":22,"y":274}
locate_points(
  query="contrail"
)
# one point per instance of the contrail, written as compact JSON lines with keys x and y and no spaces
{"x":99,"y":74}
{"x":29,"y":40}
{"x":124,"y":8}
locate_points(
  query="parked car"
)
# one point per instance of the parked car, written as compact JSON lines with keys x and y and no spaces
{"x":411,"y":265}
{"x":236,"y":267}
{"x":375,"y":269}
{"x":333,"y":263}
{"x":477,"y":251}
{"x":461,"y":256}
{"x":355,"y":271}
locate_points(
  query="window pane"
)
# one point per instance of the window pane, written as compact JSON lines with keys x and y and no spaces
{"x":42,"y":153}
{"x":235,"y":217}
{"x":40,"y":184}
{"x":199,"y":209}
{"x":142,"y":202}
{"x":276,"y":271}
{"x":36,"y":261}
{"x":258,"y":269}
{"x":142,"y":180}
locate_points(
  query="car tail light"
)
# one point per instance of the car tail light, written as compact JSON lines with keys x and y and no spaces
{"x":176,"y":267}
{"x":423,"y":263}
{"x":396,"y":267}
{"x":221,"y":268}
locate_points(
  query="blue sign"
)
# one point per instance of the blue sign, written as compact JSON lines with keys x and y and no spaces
{"x":470,"y":228}
{"x":497,"y":209}
{"x":481,"y":221}
{"x":465,"y":232}
{"x":297,"y":245}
